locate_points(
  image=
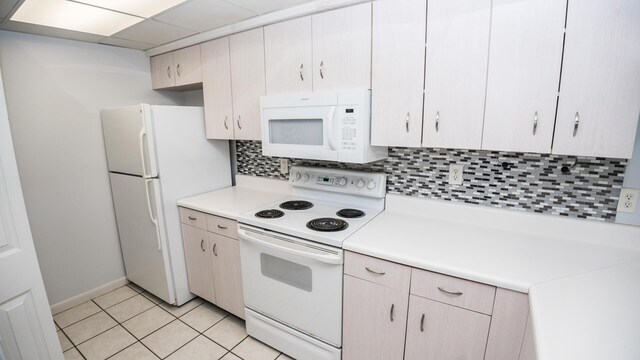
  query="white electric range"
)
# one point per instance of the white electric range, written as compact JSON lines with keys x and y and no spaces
{"x":292,"y":259}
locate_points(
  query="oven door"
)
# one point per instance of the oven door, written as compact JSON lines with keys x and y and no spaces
{"x":305,"y":132}
{"x":293,"y":281}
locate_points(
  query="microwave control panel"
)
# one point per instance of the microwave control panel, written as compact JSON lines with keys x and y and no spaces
{"x":348,"y":116}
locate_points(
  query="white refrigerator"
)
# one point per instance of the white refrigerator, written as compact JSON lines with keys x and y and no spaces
{"x":157,"y":155}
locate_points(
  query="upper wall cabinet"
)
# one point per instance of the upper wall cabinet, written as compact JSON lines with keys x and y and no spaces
{"x":342,"y":49}
{"x":524,"y":73}
{"x":247,"y":82}
{"x":600,"y":88}
{"x":288,"y":60}
{"x":397,"y":72}
{"x":216,"y":89}
{"x":456,"y":72}
{"x":178,"y":69}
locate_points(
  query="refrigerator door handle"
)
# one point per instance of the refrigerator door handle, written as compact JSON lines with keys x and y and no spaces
{"x":153,"y":220}
{"x":141,"y":135}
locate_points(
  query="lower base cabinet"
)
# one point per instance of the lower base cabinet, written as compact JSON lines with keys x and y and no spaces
{"x":197,"y":254}
{"x":227,"y":276}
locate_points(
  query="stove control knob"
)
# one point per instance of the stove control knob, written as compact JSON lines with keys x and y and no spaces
{"x":305,"y":177}
{"x":360,"y":184}
{"x":296,"y":176}
{"x":371,"y":185}
{"x":342,"y":181}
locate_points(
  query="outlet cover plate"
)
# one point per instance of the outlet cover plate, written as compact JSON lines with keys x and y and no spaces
{"x":628,"y":200}
{"x":284,"y":166}
{"x":455,"y":174}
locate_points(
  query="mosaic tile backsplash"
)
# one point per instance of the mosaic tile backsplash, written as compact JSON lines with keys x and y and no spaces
{"x":587,"y":188}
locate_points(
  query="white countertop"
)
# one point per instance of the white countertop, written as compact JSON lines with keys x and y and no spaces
{"x":249,"y":193}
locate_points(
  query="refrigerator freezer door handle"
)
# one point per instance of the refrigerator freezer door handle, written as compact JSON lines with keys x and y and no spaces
{"x":154,"y":220}
{"x":141,"y":135}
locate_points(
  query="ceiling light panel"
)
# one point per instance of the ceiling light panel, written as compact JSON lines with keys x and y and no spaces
{"x":143,"y":8}
{"x":73,"y":16}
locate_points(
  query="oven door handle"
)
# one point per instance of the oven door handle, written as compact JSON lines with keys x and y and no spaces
{"x":266,"y":241}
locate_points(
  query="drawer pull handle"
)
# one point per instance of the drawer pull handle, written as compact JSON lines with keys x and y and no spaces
{"x":454,"y":293}
{"x":214,"y":250}
{"x":422,"y":323}
{"x":374,"y":272}
{"x":222,"y":227}
{"x":391,"y":312}
{"x":202,"y":245}
{"x":192,"y":218}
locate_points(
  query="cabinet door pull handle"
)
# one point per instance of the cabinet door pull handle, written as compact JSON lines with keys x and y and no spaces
{"x":214,"y":250}
{"x":193,"y":218}
{"x":301,"y":74}
{"x":222,"y":227}
{"x":178,"y":70}
{"x":391,"y":312}
{"x":406,"y":122}
{"x":169,"y":71}
{"x":202,"y":245}
{"x":576,"y":123}
{"x":437,"y":120}
{"x":422,"y":323}
{"x":454,"y":293}
{"x":374,"y":272}
{"x":239,"y":126}
{"x":535,"y":122}
{"x":226,"y":127}
{"x":321,"y":69}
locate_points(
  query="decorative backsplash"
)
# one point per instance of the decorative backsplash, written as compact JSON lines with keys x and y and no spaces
{"x":587,"y":188}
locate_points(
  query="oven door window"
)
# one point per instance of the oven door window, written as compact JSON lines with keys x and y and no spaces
{"x":296,"y":131}
{"x":287,"y":272}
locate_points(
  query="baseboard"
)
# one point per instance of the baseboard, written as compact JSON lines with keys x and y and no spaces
{"x":88,"y":295}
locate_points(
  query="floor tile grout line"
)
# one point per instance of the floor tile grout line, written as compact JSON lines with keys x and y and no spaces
{"x":75,"y":322}
{"x":74,"y":345}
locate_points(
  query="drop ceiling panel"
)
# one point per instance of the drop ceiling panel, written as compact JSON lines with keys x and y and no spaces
{"x":153,"y":32}
{"x":202,"y":15}
{"x":125,"y":43}
{"x":6,"y":6}
{"x":48,"y":31}
{"x":142,"y":8}
{"x":264,"y":6}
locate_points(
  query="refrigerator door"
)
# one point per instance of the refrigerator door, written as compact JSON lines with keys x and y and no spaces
{"x":142,"y":237}
{"x":128,"y":139}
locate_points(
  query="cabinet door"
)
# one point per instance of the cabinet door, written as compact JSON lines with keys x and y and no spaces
{"x":198,"y":259}
{"x":374,"y":321}
{"x":187,"y":62}
{"x":397,"y":63}
{"x":216,"y":89}
{"x":247,"y":82}
{"x":456,"y":71}
{"x":598,"y":108}
{"x":162,"y":71}
{"x":524,"y":73}
{"x":227,"y":276}
{"x":287,"y":49}
{"x":437,"y":331}
{"x":342,"y":49}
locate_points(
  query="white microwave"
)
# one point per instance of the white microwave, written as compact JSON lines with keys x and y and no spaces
{"x":334,"y":126}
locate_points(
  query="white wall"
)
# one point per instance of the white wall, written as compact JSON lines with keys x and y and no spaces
{"x":632,"y":180}
{"x":55,"y":90}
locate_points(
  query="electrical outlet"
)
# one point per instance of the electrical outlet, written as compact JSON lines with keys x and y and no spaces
{"x":628,"y":200}
{"x":284,"y":166}
{"x":455,"y":174}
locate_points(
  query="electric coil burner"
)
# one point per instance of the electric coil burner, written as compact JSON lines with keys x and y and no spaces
{"x":269,"y":214}
{"x":327,"y":224}
{"x":296,"y":205}
{"x":350,"y":213}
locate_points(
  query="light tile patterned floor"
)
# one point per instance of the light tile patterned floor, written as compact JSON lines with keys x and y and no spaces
{"x":130,"y":324}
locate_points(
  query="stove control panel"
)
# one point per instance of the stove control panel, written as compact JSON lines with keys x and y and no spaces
{"x":338,"y":180}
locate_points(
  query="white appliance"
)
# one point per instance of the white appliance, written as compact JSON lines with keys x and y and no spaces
{"x":333,"y":126}
{"x":157,"y":155}
{"x":292,"y":259}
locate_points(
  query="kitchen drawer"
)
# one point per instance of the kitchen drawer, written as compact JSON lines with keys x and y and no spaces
{"x":222,"y":226}
{"x":377,"y":271}
{"x":193,"y":218}
{"x":454,"y":291}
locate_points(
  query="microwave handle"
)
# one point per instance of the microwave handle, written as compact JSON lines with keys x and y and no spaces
{"x":332,"y":112}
